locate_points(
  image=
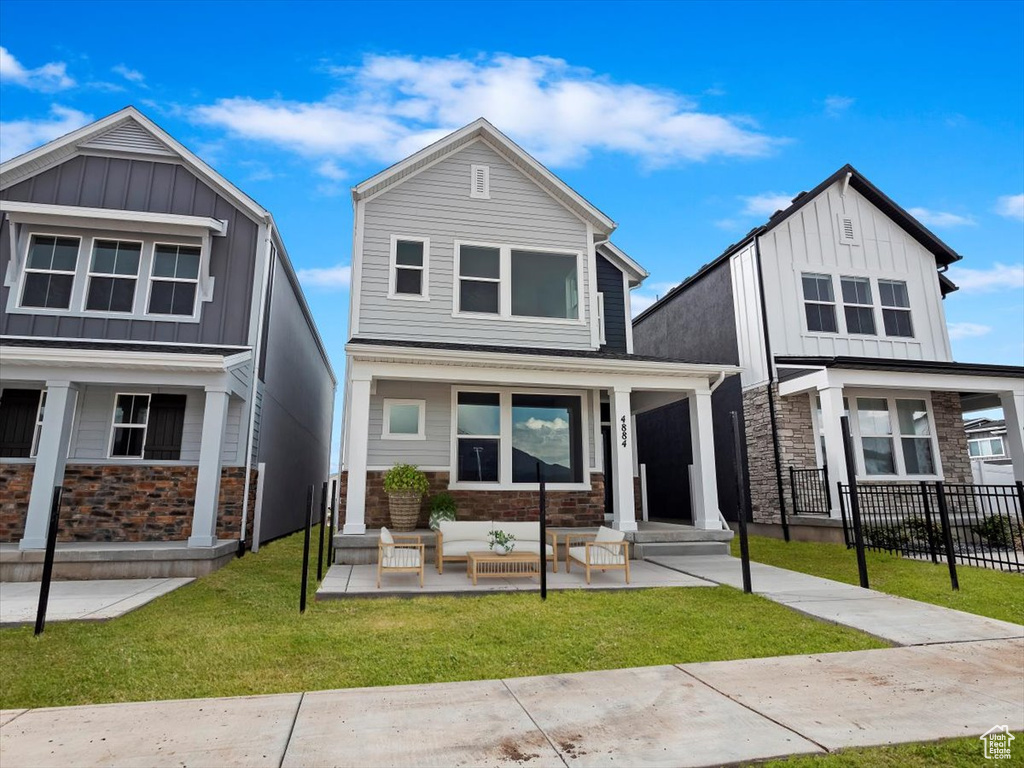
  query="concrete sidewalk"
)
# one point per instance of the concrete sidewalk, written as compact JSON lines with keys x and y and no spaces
{"x":686,"y":715}
{"x":896,"y":619}
{"x":92,"y":600}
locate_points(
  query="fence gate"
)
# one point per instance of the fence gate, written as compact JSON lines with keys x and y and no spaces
{"x":809,"y":488}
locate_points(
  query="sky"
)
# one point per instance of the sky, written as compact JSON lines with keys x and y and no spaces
{"x":687,"y":123}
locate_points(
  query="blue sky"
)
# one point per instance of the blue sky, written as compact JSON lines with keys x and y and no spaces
{"x":687,"y":123}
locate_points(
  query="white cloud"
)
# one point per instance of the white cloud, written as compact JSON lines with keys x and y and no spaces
{"x":391,"y":106}
{"x":998,"y":277}
{"x":1011,"y":206}
{"x":932,"y":218}
{"x":766,"y":203}
{"x":338,"y":276}
{"x":131,"y":75}
{"x":18,"y":136}
{"x":47,"y":78}
{"x":837,"y":105}
{"x":967,"y":330}
{"x":331,"y":170}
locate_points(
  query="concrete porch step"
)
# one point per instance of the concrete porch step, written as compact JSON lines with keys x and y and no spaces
{"x":645,"y":550}
{"x":665,"y":532}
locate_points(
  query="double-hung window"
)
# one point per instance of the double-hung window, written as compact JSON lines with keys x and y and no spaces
{"x":896,"y":436}
{"x":478,"y":424}
{"x":50,"y":272}
{"x":148,"y":426}
{"x":857,"y":305}
{"x":915,"y":436}
{"x":113,"y":275}
{"x":128,"y":436}
{"x":479,"y":279}
{"x":876,"y":436}
{"x":174,"y":279}
{"x":819,"y":303}
{"x":895,"y":308}
{"x":409,"y":275}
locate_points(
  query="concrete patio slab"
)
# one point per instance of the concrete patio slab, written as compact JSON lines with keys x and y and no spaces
{"x":866,"y":698}
{"x":250,"y":731}
{"x":651,"y":716}
{"x":6,"y":715}
{"x":81,"y":600}
{"x":472,"y":724}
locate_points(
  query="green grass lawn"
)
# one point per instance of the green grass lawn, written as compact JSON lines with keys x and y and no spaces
{"x":996,"y":594}
{"x":238,"y":631}
{"x":955,"y":753}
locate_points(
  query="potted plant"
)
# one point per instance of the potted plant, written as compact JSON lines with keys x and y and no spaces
{"x":442,"y":507}
{"x":501,"y":543}
{"x":405,"y":486}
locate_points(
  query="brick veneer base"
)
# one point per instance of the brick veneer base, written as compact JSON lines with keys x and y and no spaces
{"x":564,"y":508}
{"x":119,"y":502}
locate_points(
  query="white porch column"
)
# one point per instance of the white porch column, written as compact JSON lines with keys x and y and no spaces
{"x":835,"y":457}
{"x":705,"y":476}
{"x":1013,"y":412}
{"x":207,"y":503}
{"x":356,"y":448}
{"x":51,"y":457}
{"x":623,"y":437}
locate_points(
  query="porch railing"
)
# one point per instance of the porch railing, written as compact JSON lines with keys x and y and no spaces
{"x":809,"y":488}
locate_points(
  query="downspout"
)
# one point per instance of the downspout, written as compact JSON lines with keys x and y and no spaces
{"x":267,"y":263}
{"x":771,"y":395}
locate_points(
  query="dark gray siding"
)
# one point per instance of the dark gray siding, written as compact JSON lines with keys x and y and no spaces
{"x":296,"y":413}
{"x":144,"y":185}
{"x":609,"y":282}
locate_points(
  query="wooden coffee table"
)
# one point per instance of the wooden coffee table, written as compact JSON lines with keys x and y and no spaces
{"x":490,"y":565}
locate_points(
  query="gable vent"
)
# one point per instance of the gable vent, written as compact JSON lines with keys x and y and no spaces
{"x":129,"y":137}
{"x":848,"y":230}
{"x":480,"y":182}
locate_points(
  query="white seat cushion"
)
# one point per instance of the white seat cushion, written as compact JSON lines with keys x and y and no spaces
{"x":460,"y":548}
{"x":401,"y":557}
{"x":533,"y":547}
{"x":386,"y":537}
{"x":609,"y":534}
{"x":522,"y":531}
{"x":598,"y":556}
{"x":465,"y":530}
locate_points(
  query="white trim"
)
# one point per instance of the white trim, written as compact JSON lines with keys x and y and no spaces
{"x":109,"y":217}
{"x":356,"y":276}
{"x":835,"y":314}
{"x":592,"y":298}
{"x":91,"y":358}
{"x":385,"y":428}
{"x":982,"y":456}
{"x":115,"y":425}
{"x":890,"y":397}
{"x":907,"y":309}
{"x":38,"y":428}
{"x":480,"y":191}
{"x":627,"y":301}
{"x":394,"y":266}
{"x":196,"y":281}
{"x":89,"y":274}
{"x":23,"y":277}
{"x":857,"y":305}
{"x":623,"y":261}
{"x":601,"y":337}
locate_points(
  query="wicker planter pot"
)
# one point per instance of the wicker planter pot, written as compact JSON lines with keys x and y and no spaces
{"x":404,"y":507}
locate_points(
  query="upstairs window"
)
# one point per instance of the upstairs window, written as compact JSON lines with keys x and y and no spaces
{"x":50,"y":272}
{"x":128,"y":436}
{"x":819,"y":303}
{"x":479,"y":279}
{"x":895,"y":308}
{"x":409,"y":267}
{"x":174,"y":280}
{"x":857,"y":305}
{"x":113,"y":275}
{"x":544,"y":285}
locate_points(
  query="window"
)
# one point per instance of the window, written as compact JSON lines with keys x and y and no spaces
{"x":544,"y":285}
{"x":129,"y":429}
{"x":987,"y":447}
{"x":113,"y":274}
{"x":857,"y":305}
{"x":915,"y":435}
{"x":819,"y":303}
{"x":480,"y":182}
{"x":19,"y":414}
{"x":876,"y":435}
{"x":50,"y":272}
{"x":409,"y":273}
{"x":478,"y":421}
{"x":895,"y":308}
{"x":39,"y":424}
{"x":403,"y":419}
{"x":175,"y":277}
{"x":546,"y":429}
{"x":479,"y":279}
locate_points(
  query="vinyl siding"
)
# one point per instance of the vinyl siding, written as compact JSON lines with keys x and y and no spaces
{"x":435,"y":450}
{"x":436,"y":204}
{"x":609,"y":282}
{"x":749,"y":323}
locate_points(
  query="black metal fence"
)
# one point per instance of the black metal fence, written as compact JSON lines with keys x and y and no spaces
{"x":809,"y":488}
{"x":982,"y":523}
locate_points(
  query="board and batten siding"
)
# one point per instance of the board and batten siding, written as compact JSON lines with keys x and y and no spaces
{"x":750,"y":345}
{"x":808,"y":241}
{"x":610,"y":284}
{"x":153,"y":186}
{"x":436,"y":204}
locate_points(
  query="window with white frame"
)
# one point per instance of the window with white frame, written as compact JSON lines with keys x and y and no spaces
{"x":986,"y":447}
{"x":544,"y":285}
{"x":409,"y":275}
{"x":404,"y":419}
{"x":479,"y":279}
{"x":876,"y":436}
{"x":39,"y":424}
{"x":819,"y":303}
{"x":478,"y":430}
{"x":113,"y":276}
{"x":915,"y":437}
{"x":174,"y":279}
{"x":895,"y":308}
{"x":858,"y":306}
{"x":896,"y":436}
{"x":50,"y":272}
{"x":128,"y":434}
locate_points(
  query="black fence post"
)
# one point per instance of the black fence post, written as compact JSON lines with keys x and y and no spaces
{"x":741,"y":506}
{"x":947,"y":535}
{"x":792,"y":490}
{"x":332,"y":511}
{"x":305,"y":549}
{"x":928,"y":527}
{"x":851,"y":473}
{"x":323,"y":523}
{"x":824,"y":488}
{"x":543,"y":535}
{"x":51,"y":546}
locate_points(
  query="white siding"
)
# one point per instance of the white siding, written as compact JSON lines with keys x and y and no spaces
{"x":749,"y":326}
{"x":436,"y":204}
{"x":809,"y":242}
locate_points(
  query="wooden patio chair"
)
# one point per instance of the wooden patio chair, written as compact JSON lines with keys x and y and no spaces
{"x":400,"y":554}
{"x":607,"y":550}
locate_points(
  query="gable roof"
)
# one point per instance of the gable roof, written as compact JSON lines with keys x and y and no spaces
{"x":516,"y":155}
{"x":944,"y":255}
{"x":621,"y":259}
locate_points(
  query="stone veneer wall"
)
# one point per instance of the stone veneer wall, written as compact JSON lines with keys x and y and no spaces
{"x":123,"y":502}
{"x":564,"y":508}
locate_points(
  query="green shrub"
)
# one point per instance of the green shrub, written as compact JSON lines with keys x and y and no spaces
{"x":890,"y":537}
{"x":997,"y":531}
{"x":442,"y":507}
{"x":405,"y":477}
{"x":917,"y":531}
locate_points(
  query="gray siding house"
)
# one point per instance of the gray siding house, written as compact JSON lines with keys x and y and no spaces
{"x":159,"y":361}
{"x":490,"y":333}
{"x":834,"y":306}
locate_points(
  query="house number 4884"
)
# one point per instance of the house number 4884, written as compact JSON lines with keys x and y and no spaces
{"x":625,"y":432}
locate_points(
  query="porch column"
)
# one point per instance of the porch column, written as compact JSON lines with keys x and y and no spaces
{"x":51,"y":457}
{"x":357,"y":440}
{"x":705,"y":476}
{"x":623,"y":437}
{"x":207,"y":503}
{"x":1013,"y":412}
{"x":835,"y":456}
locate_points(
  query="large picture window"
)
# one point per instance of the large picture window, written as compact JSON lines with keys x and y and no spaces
{"x":544,"y":285}
{"x":819,"y":303}
{"x":546,"y":430}
{"x":113,"y":275}
{"x":175,"y":278}
{"x":50,"y":272}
